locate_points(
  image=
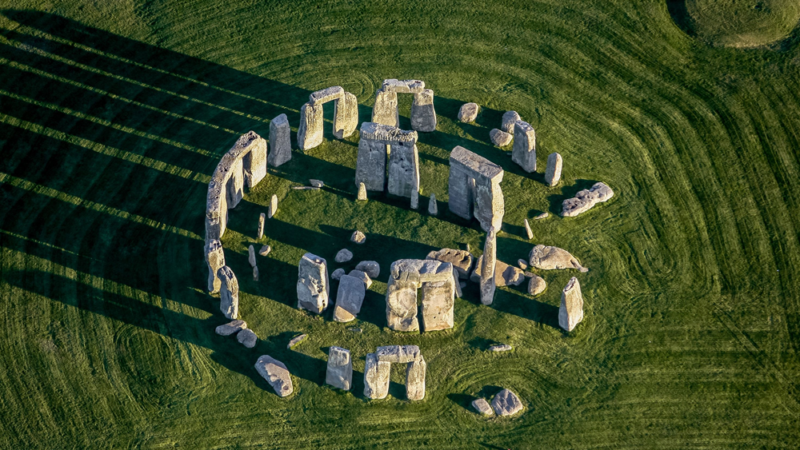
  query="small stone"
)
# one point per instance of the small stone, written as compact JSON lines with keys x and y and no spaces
{"x":551,"y":258}
{"x":261,"y":219}
{"x":543,"y":215}
{"x":536,"y":285}
{"x":500,"y":348}
{"x":316,"y":183}
{"x":482,"y":407}
{"x":508,"y":121}
{"x":522,"y":264}
{"x":231,"y":328}
{"x":337,"y":274}
{"x":276,"y":374}
{"x":340,"y":368}
{"x":343,"y":256}
{"x":355,"y":330}
{"x":273,"y":206}
{"x":500,"y":138}
{"x":296,"y":340}
{"x":251,"y":256}
{"x":247,"y":338}
{"x":414,"y":199}
{"x":265,"y":250}
{"x":528,"y":231}
{"x":552,"y":174}
{"x":361,"y":276}
{"x":432,"y":208}
{"x":371,"y":268}
{"x":506,"y":403}
{"x":358,"y":237}
{"x":255,"y":273}
{"x":468,"y":112}
{"x":586,"y":199}
{"x":362,"y":192}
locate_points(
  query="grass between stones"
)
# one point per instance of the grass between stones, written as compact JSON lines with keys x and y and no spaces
{"x":113,"y":115}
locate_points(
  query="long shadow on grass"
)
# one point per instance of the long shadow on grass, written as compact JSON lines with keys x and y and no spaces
{"x":511,"y":302}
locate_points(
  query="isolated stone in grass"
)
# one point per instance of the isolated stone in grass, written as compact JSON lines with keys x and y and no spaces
{"x":508,"y":121}
{"x":376,"y":377}
{"x":265,"y":250}
{"x":340,"y":368}
{"x":261,"y":219}
{"x":460,"y":259}
{"x":468,"y":112}
{"x":229,"y":293}
{"x":273,"y":206}
{"x":536,"y":285}
{"x":358,"y":237}
{"x":524,"y":151}
{"x":316,"y":183}
{"x":247,"y":338}
{"x":251,"y":256}
{"x":371,"y":268}
{"x":276,"y":374}
{"x":414,"y":204}
{"x":586,"y":199}
{"x":362,"y":192}
{"x":543,"y":215}
{"x":553,"y":173}
{"x":337,"y":274}
{"x":361,"y":276}
{"x":415,"y":379}
{"x":500,"y":348}
{"x":231,"y":328}
{"x":296,"y":340}
{"x":500,"y":138}
{"x":312,"y":283}
{"x":433,"y":209}
{"x":553,"y":258}
{"x":280,"y":144}
{"x":506,"y":403}
{"x":343,"y":256}
{"x":349,"y":298}
{"x":528,"y":231}
{"x":570,"y":313}
{"x":482,"y":407}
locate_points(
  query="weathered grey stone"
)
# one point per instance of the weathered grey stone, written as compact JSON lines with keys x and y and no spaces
{"x":482,"y":407}
{"x":500,"y":138}
{"x":398,"y":353}
{"x":247,"y":338}
{"x":254,"y":160}
{"x":522,"y":264}
{"x":438,"y":300}
{"x":316,"y":183}
{"x":349,"y":298}
{"x":309,"y":133}
{"x":401,"y":305}
{"x":423,"y":114}
{"x":415,"y":198}
{"x":551,"y":258}
{"x":528,"y":231}
{"x":457,"y":284}
{"x":312,"y":283}
{"x":273,"y":206}
{"x":500,"y":348}
{"x":251,"y":256}
{"x":337,"y":274}
{"x":403,"y":86}
{"x":524,"y":151}
{"x":362,"y":192}
{"x":509,"y":119}
{"x":345,"y":116}
{"x":570,"y":313}
{"x":358,"y":237}
{"x":326,"y":95}
{"x":280,"y":144}
{"x":504,"y":274}
{"x":468,"y":112}
{"x":231,"y":328}
{"x":343,"y":256}
{"x":340,"y":368}
{"x":228,"y":293}
{"x":215,"y":259}
{"x":255,"y":273}
{"x":460,"y":259}
{"x":371,"y":268}
{"x":543,"y":215}
{"x":370,"y":165}
{"x":265,"y":250}
{"x":474,"y":188}
{"x":361,"y":276}
{"x":408,"y":275}
{"x":376,"y":377}
{"x":276,"y":374}
{"x":432,"y":208}
{"x":488,"y":284}
{"x":536,"y":285}
{"x":415,"y":379}
{"x":261,"y":219}
{"x":506,"y":403}
{"x":553,"y":173}
{"x":403,"y":171}
{"x":586,"y":199}
{"x":296,"y":340}
{"x":385,"y":110}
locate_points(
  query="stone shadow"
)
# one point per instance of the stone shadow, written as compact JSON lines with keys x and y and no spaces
{"x":528,"y":308}
{"x":680,"y":15}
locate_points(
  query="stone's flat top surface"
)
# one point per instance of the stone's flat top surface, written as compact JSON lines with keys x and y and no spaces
{"x":265,"y":250}
{"x":586,"y":199}
{"x":296,"y":340}
{"x":326,"y":94}
{"x":500,"y":348}
{"x":396,"y":85}
{"x":398,"y":353}
{"x":246,"y":139}
{"x":428,"y":269}
{"x":475,"y":162}
{"x":546,"y":257}
{"x":276,"y":374}
{"x":523,"y":126}
{"x":482,"y":406}
{"x":231,"y":327}
{"x":280,"y":121}
{"x":460,"y":259}
{"x":371,"y":268}
{"x":247,"y":338}
{"x":380,"y":132}
{"x":506,"y":403}
{"x":468,"y":112}
{"x":536,"y":285}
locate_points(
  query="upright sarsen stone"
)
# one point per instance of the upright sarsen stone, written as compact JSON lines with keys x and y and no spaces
{"x":312,"y":283}
{"x":403,"y":169}
{"x":488,"y":284}
{"x":309,"y":134}
{"x":423,"y":115}
{"x":229,"y":293}
{"x":415,"y":379}
{"x":438,"y":299}
{"x":280,"y":144}
{"x":553,"y":174}
{"x":401,"y":304}
{"x":524,"y":150}
{"x":215,"y":259}
{"x":385,"y":110}
{"x":333,"y":93}
{"x":254,"y":162}
{"x":376,"y":377}
{"x":345,"y":116}
{"x":570,"y":313}
{"x":340,"y":368}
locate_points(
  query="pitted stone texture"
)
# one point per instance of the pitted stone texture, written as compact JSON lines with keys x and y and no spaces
{"x":265,"y":250}
{"x":536,"y":285}
{"x":345,"y":116}
{"x":570,"y":313}
{"x":251,"y":256}
{"x":524,"y":151}
{"x":247,"y":338}
{"x":337,"y":274}
{"x":509,"y":119}
{"x":468,"y":112}
{"x":504,"y":274}
{"x":358,"y":237}
{"x":553,"y":173}
{"x":349,"y":298}
{"x":254,"y":161}
{"x":408,"y":275}
{"x":326,"y":95}
{"x":528,"y":232}
{"x":488,"y":268}
{"x":273,"y":206}
{"x":226,"y":188}
{"x":423,"y":114}
{"x":438,"y":299}
{"x":371,"y":268}
{"x":474,"y":188}
{"x":376,"y":131}
{"x":340,"y":368}
{"x":215,"y":259}
{"x":361,"y":276}
{"x":398,"y":353}
{"x":403,"y":171}
{"x":309,"y":133}
{"x":385,"y":110}
{"x":371,"y":163}
{"x":460,"y":259}
{"x":586,"y":199}
{"x":506,"y":403}
{"x":312,"y":283}
{"x":276,"y":374}
{"x":228,"y":293}
{"x":500,"y":138}
{"x":482,"y":407}
{"x":415,"y":379}
{"x":343,"y":256}
{"x":362,"y":192}
{"x":280,"y":143}
{"x":261,"y":220}
{"x":231,"y":328}
{"x":403,"y":86}
{"x":401,"y":305}
{"x":376,"y":377}
{"x":553,"y":258}
{"x":433,"y":209}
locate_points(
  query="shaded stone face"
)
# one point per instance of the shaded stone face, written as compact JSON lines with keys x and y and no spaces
{"x":349,"y":298}
{"x":474,"y":188}
{"x":309,"y":133}
{"x":401,"y":305}
{"x":437,"y":305}
{"x":385,"y":110}
{"x":231,"y":328}
{"x":415,"y":379}
{"x":506,"y":403}
{"x":570,"y":313}
{"x":509,"y":119}
{"x":433,"y":208}
{"x":340,"y":368}
{"x":251,"y":256}
{"x":280,"y":144}
{"x":423,"y":114}
{"x":586,"y":199}
{"x":468,"y":112}
{"x":536,"y":285}
{"x":488,"y":284}
{"x":553,"y":258}
{"x":553,"y":173}
{"x":276,"y":374}
{"x":254,"y":163}
{"x":370,"y":166}
{"x":312,"y":283}
{"x":215,"y":259}
{"x":361,"y":276}
{"x":524,"y":151}
{"x":461,"y":260}
{"x":345,"y":116}
{"x":376,"y":377}
{"x":247,"y":338}
{"x":403,"y":169}
{"x":229,"y":293}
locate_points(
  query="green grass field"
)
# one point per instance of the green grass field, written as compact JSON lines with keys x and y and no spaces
{"x":113,"y":116}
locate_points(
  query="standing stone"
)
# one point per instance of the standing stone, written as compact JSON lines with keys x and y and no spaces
{"x":438,"y":300}
{"x":423,"y":115}
{"x":343,"y":256}
{"x":403,"y":171}
{"x":312,"y":283}
{"x":326,"y":95}
{"x":509,"y":119}
{"x":456,"y":283}
{"x":376,"y":377}
{"x":349,"y":298}
{"x":276,"y":374}
{"x":415,"y":379}
{"x":280,"y":144}
{"x":251,"y":256}
{"x":316,"y":183}
{"x":261,"y":219}
{"x":401,"y":304}
{"x":309,"y":134}
{"x":553,"y":174}
{"x":265,"y":250}
{"x":415,"y":199}
{"x":371,"y":268}
{"x":231,"y":328}
{"x":358,"y":237}
{"x":215,"y":259}
{"x":528,"y":231}
{"x":229,"y":293}
{"x":254,"y":162}
{"x":255,"y":273}
{"x":247,"y":338}
{"x":432,"y":208}
{"x":500,"y":138}
{"x":273,"y":206}
{"x":524,"y":151}
{"x":482,"y":406}
{"x":488,"y":284}
{"x":523,"y":264}
{"x":506,"y":403}
{"x":570,"y":313}
{"x":385,"y":109}
{"x":586,"y":199}
{"x":362,"y":192}
{"x":474,"y":188}
{"x":345,"y":116}
{"x":536,"y":285}
{"x":340,"y":368}
{"x":468,"y":112}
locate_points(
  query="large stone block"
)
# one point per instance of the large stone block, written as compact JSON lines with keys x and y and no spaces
{"x":340,"y":368}
{"x":570,"y":313}
{"x":276,"y":374}
{"x":438,"y":299}
{"x":415,"y":379}
{"x":468,"y":112}
{"x":489,"y":204}
{"x":326,"y":95}
{"x":349,"y":298}
{"x":371,"y":164}
{"x":553,"y":173}
{"x":401,"y":305}
{"x":215,"y":259}
{"x":403,"y":169}
{"x":403,"y":86}
{"x":489,"y":256}
{"x":423,"y":114}
{"x":398,"y":353}
{"x":229,"y":293}
{"x":254,"y":162}
{"x":586,"y":199}
{"x":506,"y":403}
{"x":312,"y":283}
{"x":545,"y":257}
{"x":461,"y":260}
{"x":309,"y":134}
{"x":376,"y":377}
{"x":385,"y":110}
{"x":524,"y":150}
{"x":345,"y":116}
{"x":280,"y":143}
{"x":474,"y":188}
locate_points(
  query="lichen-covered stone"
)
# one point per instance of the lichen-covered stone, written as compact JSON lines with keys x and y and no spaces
{"x":340,"y":368}
{"x":376,"y":377}
{"x":254,"y":159}
{"x":586,"y":199}
{"x":229,"y":293}
{"x":349,"y":298}
{"x":403,"y":86}
{"x":326,"y":95}
{"x":468,"y":112}
{"x":438,"y":285}
{"x":247,"y":338}
{"x":415,"y":379}
{"x":312,"y":283}
{"x":553,"y":258}
{"x":371,"y":268}
{"x":423,"y":114}
{"x":536,"y":285}
{"x":343,"y":256}
{"x":524,"y":151}
{"x":401,"y":305}
{"x":276,"y":374}
{"x":231,"y":328}
{"x":265,"y":250}
{"x":570,"y":313}
{"x":280,"y":144}
{"x":522,"y":264}
{"x":460,"y":259}
{"x":309,"y":133}
{"x":385,"y":110}
{"x":506,"y":403}
{"x":553,"y":173}
{"x":509,"y":119}
{"x":438,"y":299}
{"x":500,"y":138}
{"x":403,"y":170}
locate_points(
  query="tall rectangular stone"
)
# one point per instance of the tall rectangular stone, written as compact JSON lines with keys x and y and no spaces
{"x":349,"y":298}
{"x":215,"y":260}
{"x":401,"y":305}
{"x":309,"y":133}
{"x":570,"y":313}
{"x":229,"y":293}
{"x":474,"y":187}
{"x":345,"y":116}
{"x":553,"y":173}
{"x":376,"y":377}
{"x":234,"y":188}
{"x":312,"y":283}
{"x":438,"y":299}
{"x":403,"y":169}
{"x":371,"y":164}
{"x":489,"y":203}
{"x":280,"y":143}
{"x":488,"y":284}
{"x":415,"y":379}
{"x":385,"y":110}
{"x":254,"y":163}
{"x":524,"y":150}
{"x":340,"y":368}
{"x":423,"y":114}
{"x":458,"y":187}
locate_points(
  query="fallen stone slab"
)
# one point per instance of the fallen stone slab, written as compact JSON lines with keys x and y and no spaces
{"x":570,"y":313}
{"x":543,"y":215}
{"x":371,"y":268}
{"x":337,"y":274}
{"x":231,"y":328}
{"x":500,"y":348}
{"x":398,"y":353}
{"x":461,"y":260}
{"x":349,"y":298}
{"x":504,"y":274}
{"x":247,"y":338}
{"x":500,"y":138}
{"x":508,"y":121}
{"x":468,"y":112}
{"x":482,"y":407}
{"x":265,"y":250}
{"x":528,"y":232}
{"x":261,"y":220}
{"x":276,"y":374}
{"x":536,"y":285}
{"x":553,"y":258}
{"x":361,"y":276}
{"x":586,"y":199}
{"x":358,"y":237}
{"x":296,"y":340}
{"x":506,"y":403}
{"x":340,"y":368}
{"x":343,"y":256}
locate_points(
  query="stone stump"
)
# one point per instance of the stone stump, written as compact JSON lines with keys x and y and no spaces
{"x":280,"y":143}
{"x":468,"y":112}
{"x":488,"y":284}
{"x":312,"y":283}
{"x":509,"y":119}
{"x":276,"y":374}
{"x":340,"y":368}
